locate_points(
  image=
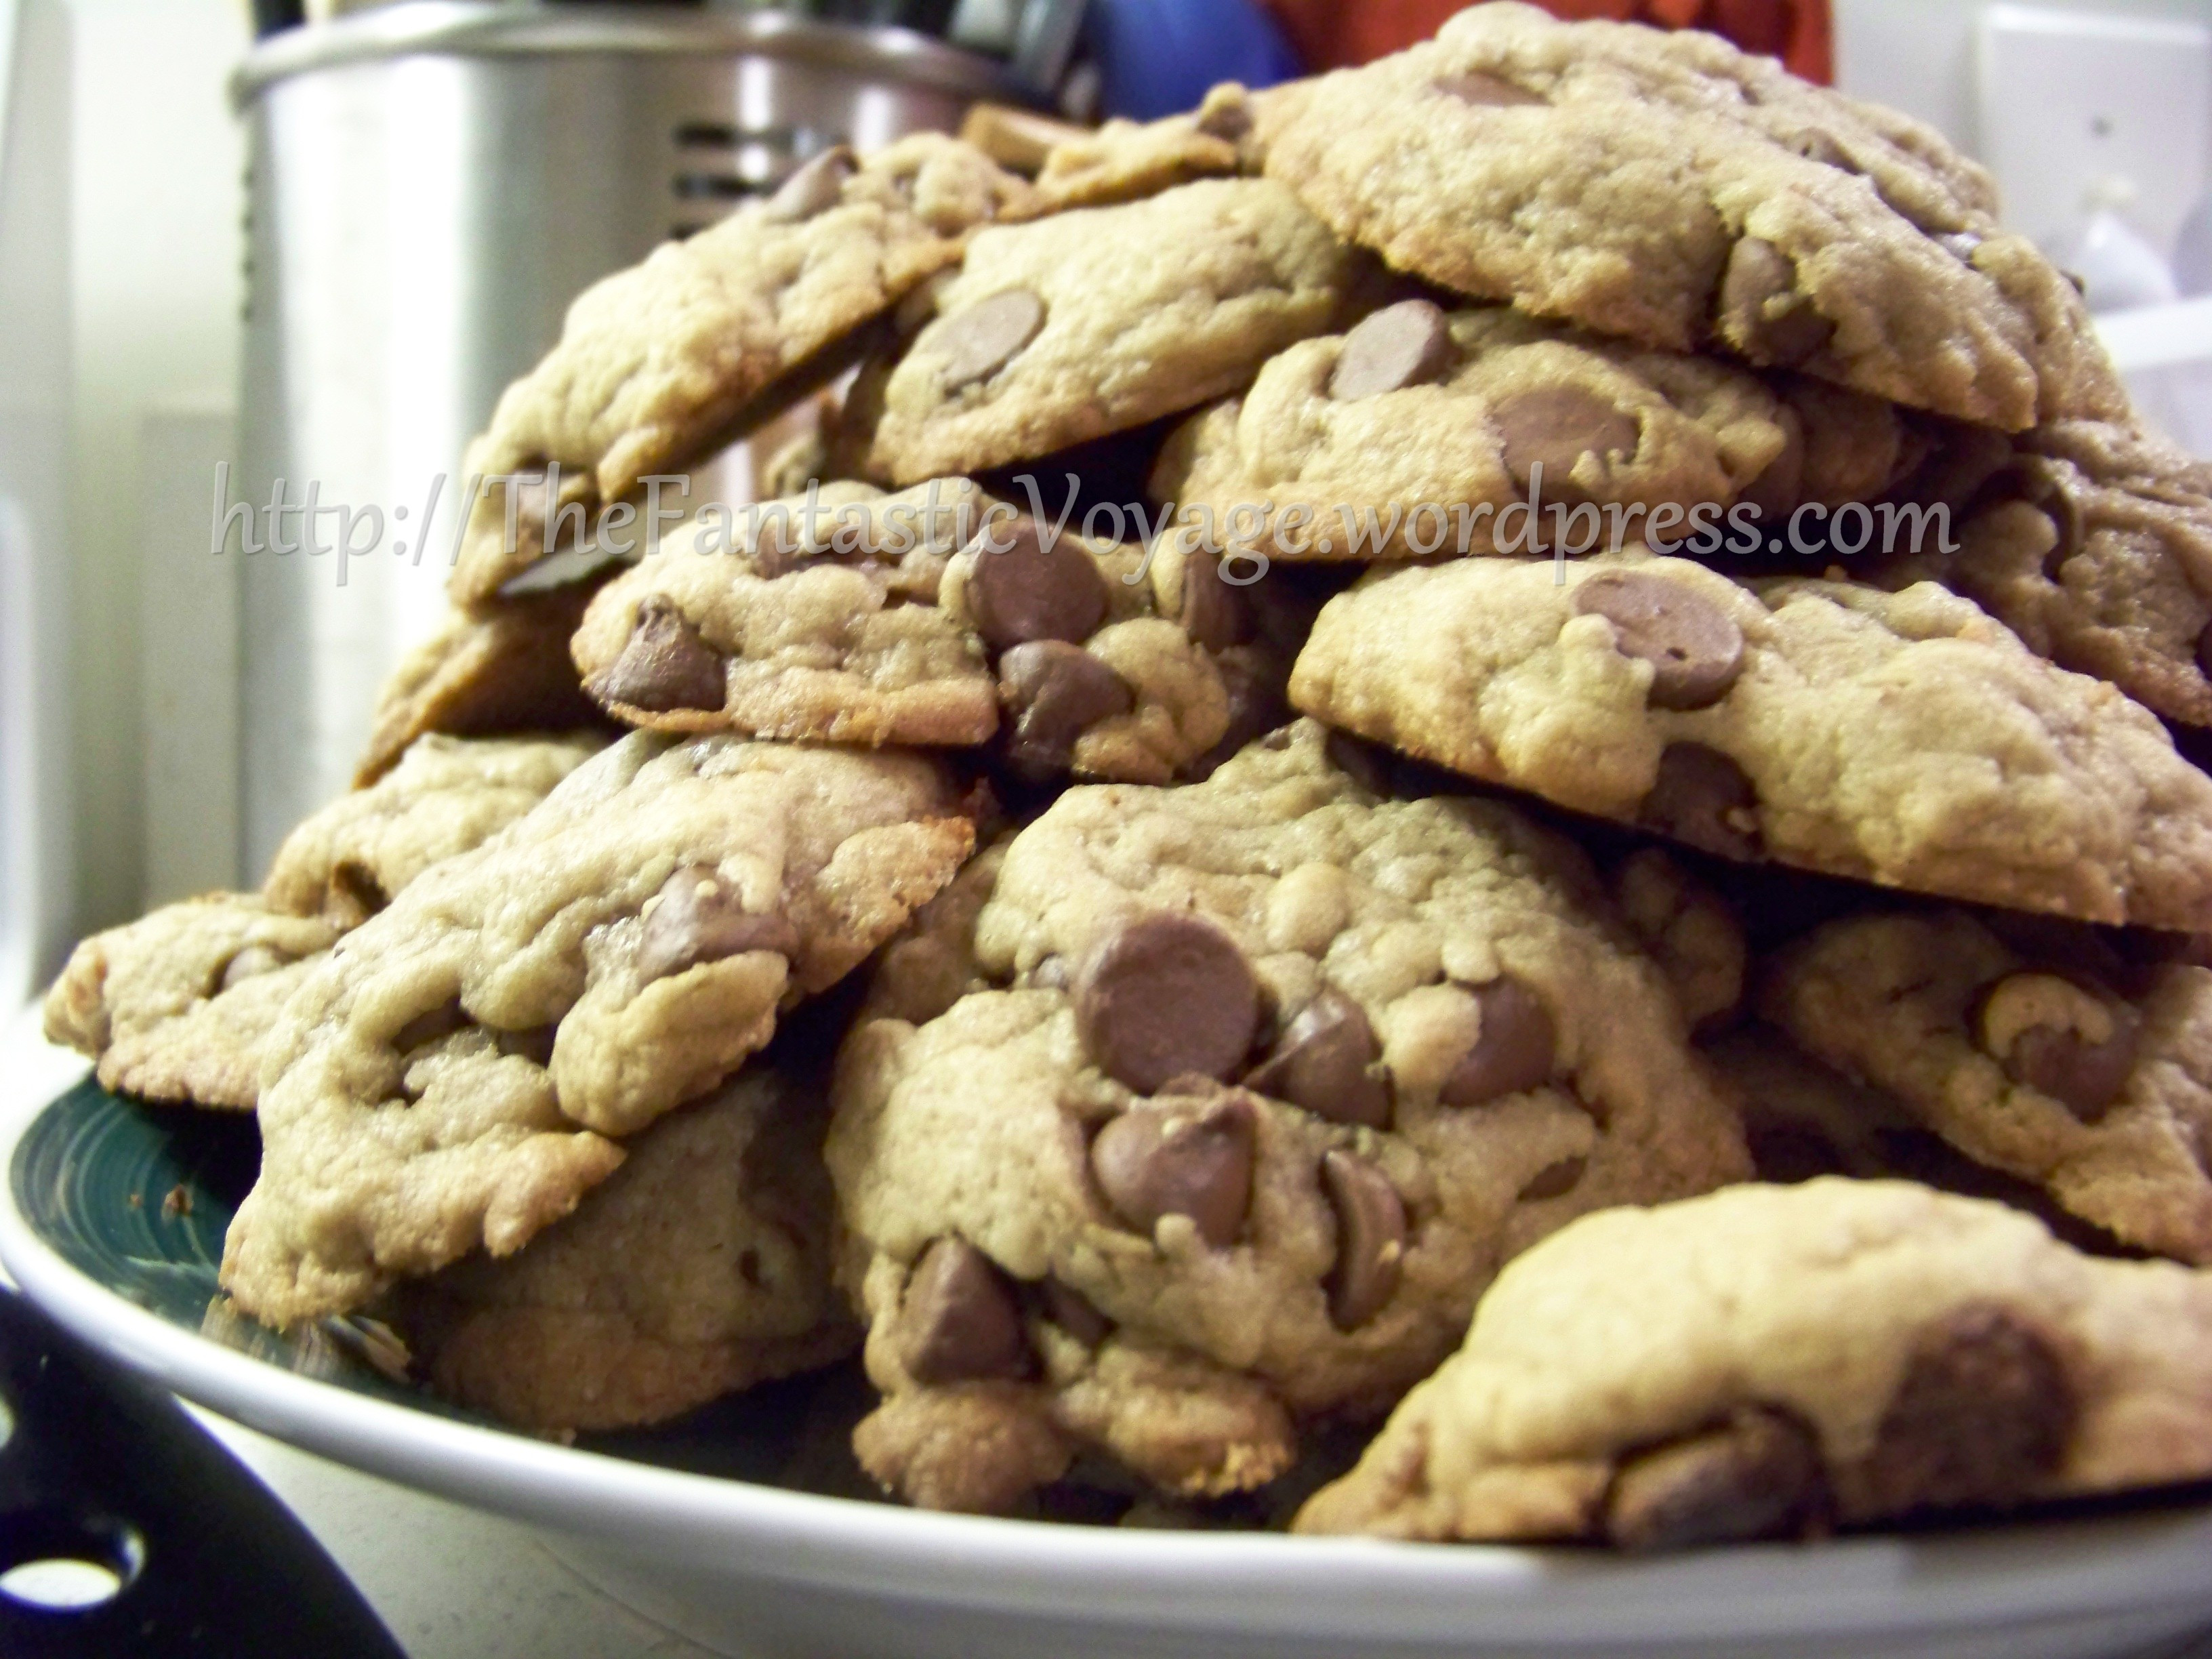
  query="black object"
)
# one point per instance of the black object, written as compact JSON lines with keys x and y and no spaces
{"x":101,"y":1468}
{"x":271,"y":15}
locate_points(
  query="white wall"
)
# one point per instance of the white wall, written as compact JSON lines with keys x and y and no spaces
{"x":1918,"y":55}
{"x":156,"y":260}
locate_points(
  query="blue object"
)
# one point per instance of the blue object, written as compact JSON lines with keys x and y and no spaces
{"x":1158,"y":57}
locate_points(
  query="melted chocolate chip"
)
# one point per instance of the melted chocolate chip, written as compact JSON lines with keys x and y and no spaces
{"x":699,"y":917}
{"x":1193,"y":1158}
{"x":1071,"y":1311}
{"x":1702,"y":798}
{"x":1556,"y":426}
{"x":666,"y":666}
{"x":977,"y":343}
{"x":813,"y":189}
{"x":960,"y":1322}
{"x":1515,"y":1047}
{"x":2062,"y":1038}
{"x":1762,"y":313}
{"x":1555,"y":1180}
{"x":1759,"y":1475}
{"x":1389,"y":349}
{"x":1326,"y":1060}
{"x":1371,"y":1238}
{"x":1984,"y":1414}
{"x":1029,"y":592}
{"x":1694,"y":648}
{"x":1216,"y":614}
{"x":1056,"y":692}
{"x":1166,"y":993}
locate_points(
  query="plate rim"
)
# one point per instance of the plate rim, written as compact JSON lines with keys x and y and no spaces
{"x":2079,"y":1567}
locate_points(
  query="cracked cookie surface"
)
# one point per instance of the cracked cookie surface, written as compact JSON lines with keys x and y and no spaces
{"x":872,"y":628}
{"x":1904,"y":738}
{"x":659,"y":363}
{"x":455,"y":1075}
{"x":2095,"y":1087}
{"x":1668,"y":188}
{"x":2094,"y":544}
{"x":175,"y":1006}
{"x":1768,"y":1362}
{"x":1273,"y":1075}
{"x":1464,"y":412}
{"x":1098,"y":319}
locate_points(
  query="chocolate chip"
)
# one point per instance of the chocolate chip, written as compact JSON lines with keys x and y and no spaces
{"x":1071,"y":1311}
{"x":1396,"y":347}
{"x":960,"y":1322}
{"x":1762,"y":313}
{"x":1984,"y":1414}
{"x":1166,"y":993}
{"x":1702,"y":798}
{"x":1193,"y":1158}
{"x":1775,"y":490}
{"x":1371,"y":1238}
{"x":1556,"y":426}
{"x":1759,"y":1475}
{"x":1694,"y":648}
{"x":251,"y":962}
{"x":1555,"y":1180}
{"x":1214,"y":613}
{"x":814,"y":189}
{"x":1057,"y":692}
{"x":665,"y":664}
{"x":1515,"y":1046}
{"x":2062,"y":1038}
{"x":699,"y":917}
{"x":978,"y":342}
{"x":1488,"y":91}
{"x":1326,"y":1061}
{"x":1029,"y":592}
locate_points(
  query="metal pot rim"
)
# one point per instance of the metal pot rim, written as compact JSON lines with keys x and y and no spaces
{"x":502,"y":28}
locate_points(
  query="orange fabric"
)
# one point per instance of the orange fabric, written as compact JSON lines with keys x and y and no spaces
{"x":1330,"y":33}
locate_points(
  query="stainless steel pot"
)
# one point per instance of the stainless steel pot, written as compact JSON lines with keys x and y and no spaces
{"x":427,"y":187}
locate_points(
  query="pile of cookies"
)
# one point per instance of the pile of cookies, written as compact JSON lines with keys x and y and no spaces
{"x":1174,"y":895}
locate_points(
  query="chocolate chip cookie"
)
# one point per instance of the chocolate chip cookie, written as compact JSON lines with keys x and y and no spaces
{"x":1668,"y":189}
{"x":1771,"y":1362}
{"x":2095,"y":1086}
{"x":1271,"y":1074}
{"x":1127,"y":161}
{"x":1091,"y":657}
{"x":453,"y":1076}
{"x":175,"y":1006}
{"x":701,"y":1267}
{"x":1093,"y":321}
{"x":1903,"y":738}
{"x":2094,"y":544}
{"x":1417,"y":431}
{"x":499,"y":667}
{"x":664,"y":363}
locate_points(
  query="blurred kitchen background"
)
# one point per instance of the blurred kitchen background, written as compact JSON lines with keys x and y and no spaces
{"x":331,"y":258}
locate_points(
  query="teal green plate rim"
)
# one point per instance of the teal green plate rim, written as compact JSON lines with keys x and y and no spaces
{"x":136,"y":1199}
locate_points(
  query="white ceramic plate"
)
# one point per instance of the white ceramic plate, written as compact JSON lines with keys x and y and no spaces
{"x":750,"y":1568}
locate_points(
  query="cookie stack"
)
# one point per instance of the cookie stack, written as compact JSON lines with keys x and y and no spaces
{"x":1320,"y":676}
